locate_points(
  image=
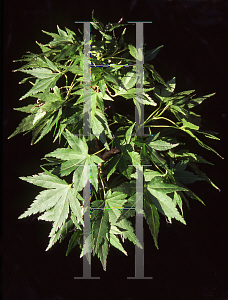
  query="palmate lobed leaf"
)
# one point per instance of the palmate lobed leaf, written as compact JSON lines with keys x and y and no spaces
{"x":156,"y":194}
{"x":59,"y":192}
{"x":61,"y":202}
{"x":76,"y":159}
{"x":56,"y":202}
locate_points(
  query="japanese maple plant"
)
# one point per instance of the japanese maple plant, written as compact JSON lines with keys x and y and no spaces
{"x":113,"y":149}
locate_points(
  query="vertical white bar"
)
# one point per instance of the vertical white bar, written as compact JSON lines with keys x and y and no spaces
{"x":86,"y":81}
{"x":139,"y":126}
{"x":139,"y":253}
{"x":86,"y":132}
{"x":87,"y":226}
{"x":139,"y":108}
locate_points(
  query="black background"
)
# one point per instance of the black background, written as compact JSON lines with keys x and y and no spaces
{"x":192,"y":260}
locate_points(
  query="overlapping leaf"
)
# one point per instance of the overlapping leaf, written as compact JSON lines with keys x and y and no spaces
{"x":156,"y":194}
{"x":54,"y":201}
{"x":113,"y":192}
{"x":75,"y":159}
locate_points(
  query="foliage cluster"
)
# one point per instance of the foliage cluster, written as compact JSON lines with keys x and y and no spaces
{"x":113,"y":150}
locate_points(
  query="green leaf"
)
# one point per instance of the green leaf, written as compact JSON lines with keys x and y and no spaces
{"x":72,"y":157}
{"x":43,"y":47}
{"x":129,"y":133}
{"x":41,"y":85}
{"x":157,"y":192}
{"x":98,"y":128}
{"x":49,"y":125}
{"x":147,"y":100}
{"x":183,"y":176}
{"x":31,"y":108}
{"x":129,"y":80}
{"x":73,"y":241}
{"x":201,"y":143}
{"x":55,"y":201}
{"x":51,"y":65}
{"x":121,"y":39}
{"x":46,"y":180}
{"x":101,"y":117}
{"x":151,"y":54}
{"x":155,"y":75}
{"x":208,"y":135}
{"x":189,"y":125}
{"x":77,"y":144}
{"x":128,"y":188}
{"x":25,"y":125}
{"x":106,"y":36}
{"x":41,"y":73}
{"x":113,"y":191}
{"x":185,"y":154}
{"x":160,"y":145}
{"x":198,"y":101}
{"x":129,"y":232}
{"x":203,"y":175}
{"x":39,"y":115}
{"x":54,"y":239}
{"x":86,"y":249}
{"x":135,"y":157}
{"x":100,"y":228}
{"x":103,"y":253}
{"x":116,"y":243}
{"x":167,"y":90}
{"x":102,"y":87}
{"x":136,"y":53}
{"x":114,"y":26}
{"x":132,"y":50}
{"x":152,"y":218}
{"x":178,"y":201}
{"x":111,"y":78}
{"x":75,"y":205}
{"x":68,"y":154}
{"x":61,"y":211}
{"x":78,"y":178}
{"x":157,"y":158}
{"x":114,"y":203}
{"x":148,"y":174}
